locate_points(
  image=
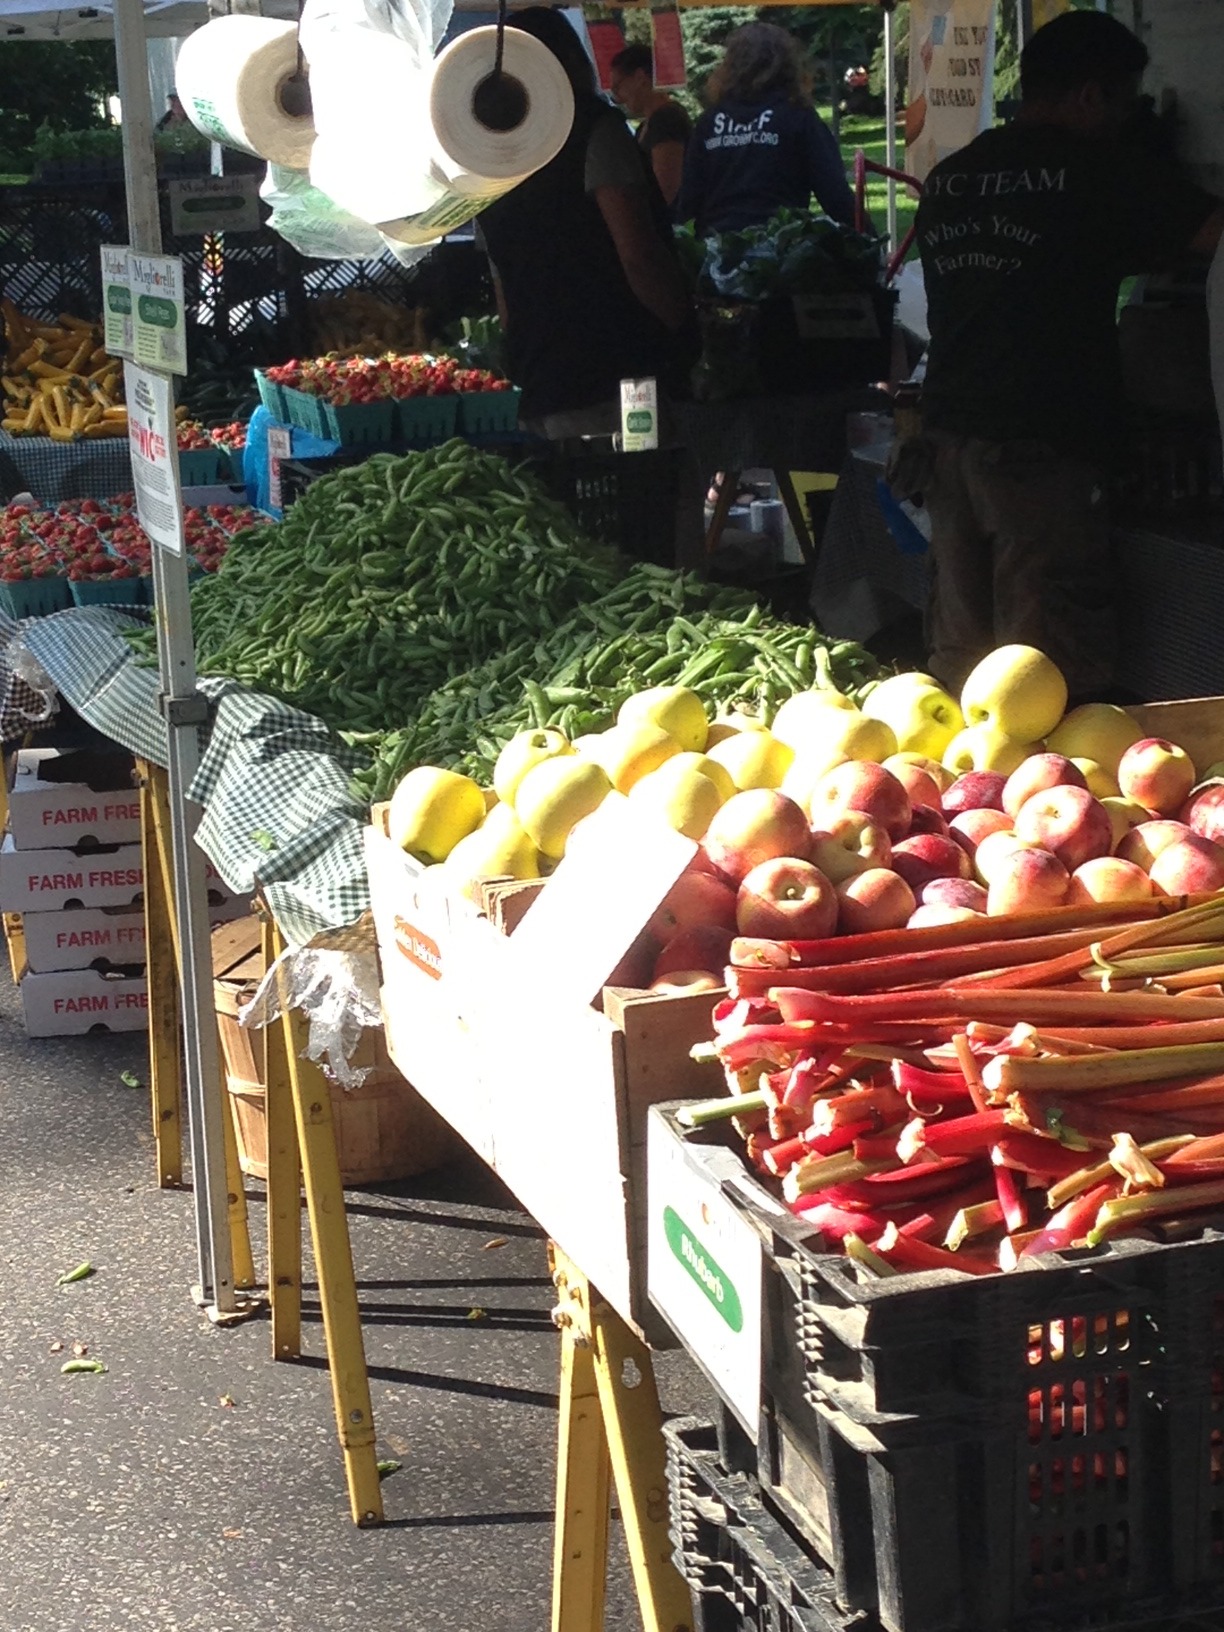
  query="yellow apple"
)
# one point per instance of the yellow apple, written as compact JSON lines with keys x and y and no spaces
{"x":803,"y":718}
{"x":629,"y":752}
{"x":679,"y":711}
{"x":554,"y":797}
{"x":708,"y":766}
{"x":923,"y":717}
{"x":984,"y":748}
{"x":1099,"y":731}
{"x":431,"y":810}
{"x":1123,"y":815}
{"x":1101,"y":783}
{"x":753,"y":759}
{"x":524,"y":750}
{"x":499,"y":848}
{"x":1017,"y":691}
{"x":680,"y":795}
{"x":935,"y":768}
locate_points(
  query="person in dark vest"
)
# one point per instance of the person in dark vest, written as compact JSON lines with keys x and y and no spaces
{"x":761,"y":146}
{"x":589,"y":286}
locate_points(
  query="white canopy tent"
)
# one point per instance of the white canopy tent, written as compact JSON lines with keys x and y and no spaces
{"x":163,"y":19}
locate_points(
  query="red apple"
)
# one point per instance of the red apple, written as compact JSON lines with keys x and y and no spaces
{"x":975,"y":790}
{"x":1189,"y":866}
{"x":927,"y":820}
{"x":786,"y":899}
{"x":852,"y":843}
{"x":929,"y":855}
{"x":702,"y":947}
{"x":921,"y":786}
{"x":1145,"y":841}
{"x":954,"y":892}
{"x":1108,"y":878}
{"x":1037,"y":773}
{"x":1157,"y":773}
{"x":1027,"y":881}
{"x":972,"y":826}
{"x":1068,"y":822}
{"x":695,"y":898}
{"x":926,"y":917}
{"x":685,"y":981}
{"x":877,"y":899}
{"x":1204,"y":811}
{"x":752,"y":827}
{"x":861,"y":785}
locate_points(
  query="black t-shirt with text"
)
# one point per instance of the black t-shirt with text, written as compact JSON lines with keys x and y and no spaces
{"x":1025,"y":237}
{"x":748,"y":161}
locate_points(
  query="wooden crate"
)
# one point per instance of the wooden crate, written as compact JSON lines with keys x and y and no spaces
{"x":384,"y":1130}
{"x":553,"y":1095}
{"x":1195,"y":724}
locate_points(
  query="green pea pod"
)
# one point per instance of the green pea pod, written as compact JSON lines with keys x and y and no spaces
{"x":82,"y":1272}
{"x":71,"y":1368}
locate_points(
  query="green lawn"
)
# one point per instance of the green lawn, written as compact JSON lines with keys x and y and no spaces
{"x":869,"y":135}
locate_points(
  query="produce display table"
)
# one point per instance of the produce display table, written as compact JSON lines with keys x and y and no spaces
{"x":70,"y":470}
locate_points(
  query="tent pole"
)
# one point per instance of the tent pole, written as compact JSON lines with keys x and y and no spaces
{"x":890,"y":122}
{"x":184,"y":709}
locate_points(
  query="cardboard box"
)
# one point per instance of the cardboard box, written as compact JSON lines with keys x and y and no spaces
{"x":50,"y":880}
{"x":57,"y":800}
{"x":72,"y":1002}
{"x":55,"y":941}
{"x":550,"y":1090}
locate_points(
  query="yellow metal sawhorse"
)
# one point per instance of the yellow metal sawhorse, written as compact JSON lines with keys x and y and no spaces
{"x":301,"y":1149}
{"x":610,"y":1431}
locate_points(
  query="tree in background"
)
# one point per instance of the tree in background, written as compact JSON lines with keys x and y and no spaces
{"x":58,"y":84}
{"x":834,"y":37}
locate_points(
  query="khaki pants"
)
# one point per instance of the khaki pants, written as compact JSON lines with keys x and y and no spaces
{"x":1020,"y":553}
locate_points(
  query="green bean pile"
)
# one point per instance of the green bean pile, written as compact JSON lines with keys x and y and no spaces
{"x":655,"y":628}
{"x":387,"y":579}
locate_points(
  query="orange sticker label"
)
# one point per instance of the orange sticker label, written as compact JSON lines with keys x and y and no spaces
{"x":418,"y":948}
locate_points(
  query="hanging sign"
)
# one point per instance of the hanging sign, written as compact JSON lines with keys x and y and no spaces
{"x":154,"y":449}
{"x":116,"y":301}
{"x":667,"y":44}
{"x":951,"y":79}
{"x":606,"y":41}
{"x":205,"y":204}
{"x":159,"y":319}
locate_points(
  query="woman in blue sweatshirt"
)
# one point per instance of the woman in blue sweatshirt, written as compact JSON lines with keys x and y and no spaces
{"x":761,"y":147}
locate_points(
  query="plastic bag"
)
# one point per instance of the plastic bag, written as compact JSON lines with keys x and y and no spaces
{"x":312,"y":223}
{"x":338,"y":993}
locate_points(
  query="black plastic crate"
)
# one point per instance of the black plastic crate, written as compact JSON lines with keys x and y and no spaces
{"x":744,"y":1572}
{"x":1041,"y":1449}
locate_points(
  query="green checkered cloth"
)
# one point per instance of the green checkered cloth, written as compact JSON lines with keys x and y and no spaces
{"x":272,"y":781}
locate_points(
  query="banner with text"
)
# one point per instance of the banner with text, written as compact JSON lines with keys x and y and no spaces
{"x":951,"y":79}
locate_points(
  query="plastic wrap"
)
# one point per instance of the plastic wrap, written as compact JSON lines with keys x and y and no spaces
{"x":338,"y":993}
{"x":312,"y":223}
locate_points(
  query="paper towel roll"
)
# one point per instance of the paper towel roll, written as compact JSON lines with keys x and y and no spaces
{"x":472,"y":162}
{"x":232,"y":76}
{"x":480,"y":160}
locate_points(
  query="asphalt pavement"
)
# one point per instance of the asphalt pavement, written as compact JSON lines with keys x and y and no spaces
{"x":195,"y":1486}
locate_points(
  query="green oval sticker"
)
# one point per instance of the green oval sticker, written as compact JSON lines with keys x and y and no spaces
{"x":161,"y":314}
{"x":701,"y":1265}
{"x":119,"y":299}
{"x":211,"y":202}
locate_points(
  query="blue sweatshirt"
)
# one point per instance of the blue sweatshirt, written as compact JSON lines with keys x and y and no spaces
{"x":747,"y":161}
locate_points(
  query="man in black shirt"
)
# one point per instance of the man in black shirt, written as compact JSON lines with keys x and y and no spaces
{"x":1025,"y":236}
{"x":663,"y":127}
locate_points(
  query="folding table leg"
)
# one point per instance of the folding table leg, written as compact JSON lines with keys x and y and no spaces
{"x":284,"y":1188}
{"x":337,"y":1283}
{"x":240,"y":1232}
{"x":584,"y":1478}
{"x":165,"y":1053}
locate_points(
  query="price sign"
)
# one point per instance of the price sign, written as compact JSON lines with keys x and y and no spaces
{"x":154,"y":447}
{"x":159,"y":325}
{"x":116,"y":300}
{"x":214,"y":204}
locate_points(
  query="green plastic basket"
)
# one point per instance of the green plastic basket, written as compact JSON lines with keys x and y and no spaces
{"x":201,"y":467}
{"x":272,"y":396}
{"x":427,"y":419}
{"x":34,"y":597}
{"x":355,"y":423}
{"x":307,"y":412}
{"x":106,"y":591}
{"x":484,"y":413}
